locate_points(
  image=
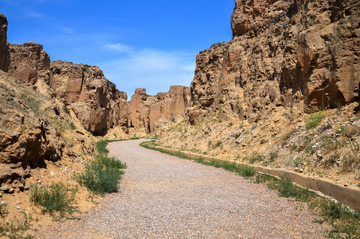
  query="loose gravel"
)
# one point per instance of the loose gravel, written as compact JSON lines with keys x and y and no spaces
{"x":162,"y":196}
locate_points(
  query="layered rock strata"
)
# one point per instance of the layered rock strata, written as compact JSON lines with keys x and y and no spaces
{"x":249,"y":14}
{"x":29,"y":62}
{"x":148,"y":112}
{"x":307,"y":56}
{"x":26,"y":138}
{"x":94,"y":99}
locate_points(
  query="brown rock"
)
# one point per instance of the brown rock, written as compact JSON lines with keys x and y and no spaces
{"x":148,"y":112}
{"x":94,"y":99}
{"x":25,"y":138}
{"x":305,"y":57}
{"x":4,"y":47}
{"x":29,"y":62}
{"x":249,"y":14}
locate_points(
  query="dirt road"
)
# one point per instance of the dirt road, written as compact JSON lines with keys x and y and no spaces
{"x":162,"y":196}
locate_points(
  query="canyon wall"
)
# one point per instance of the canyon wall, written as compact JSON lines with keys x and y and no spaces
{"x":94,"y":99}
{"x":29,"y":62}
{"x":249,"y":14}
{"x":148,"y":112}
{"x":305,"y":57}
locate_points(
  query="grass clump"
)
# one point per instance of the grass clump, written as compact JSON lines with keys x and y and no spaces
{"x":4,"y":210}
{"x":54,"y":199}
{"x":102,"y":175}
{"x":244,"y":171}
{"x":66,"y":109}
{"x":16,"y":230}
{"x":31,"y":102}
{"x":255,"y":157}
{"x":314,"y":121}
{"x":237,"y":135}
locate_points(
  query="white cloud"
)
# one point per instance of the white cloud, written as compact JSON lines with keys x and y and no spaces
{"x":34,"y":14}
{"x":68,"y":30}
{"x":151,"y":69}
{"x":119,"y":48}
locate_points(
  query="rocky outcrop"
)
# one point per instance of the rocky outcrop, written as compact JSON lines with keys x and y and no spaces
{"x":307,"y":56}
{"x":4,"y":47}
{"x":148,"y":112}
{"x":29,"y":62}
{"x":249,"y":14}
{"x":26,"y":139}
{"x":94,"y":99}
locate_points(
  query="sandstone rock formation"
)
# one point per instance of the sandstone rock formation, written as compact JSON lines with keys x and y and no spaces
{"x":249,"y":14}
{"x":95,"y":100}
{"x":148,"y":112}
{"x":4,"y":48}
{"x":307,"y":56}
{"x":29,"y":62}
{"x":26,"y":139}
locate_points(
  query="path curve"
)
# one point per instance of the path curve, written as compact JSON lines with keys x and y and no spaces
{"x":162,"y":196}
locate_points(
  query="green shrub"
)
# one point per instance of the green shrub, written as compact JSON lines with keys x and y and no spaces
{"x":314,"y":120}
{"x":219,"y":143}
{"x":72,"y":126}
{"x":206,"y":132}
{"x":247,"y":171}
{"x":66,"y":109}
{"x":237,"y":135}
{"x":298,"y":161}
{"x":102,"y":175}
{"x":231,"y":124}
{"x":55,"y":198}
{"x":98,"y":178}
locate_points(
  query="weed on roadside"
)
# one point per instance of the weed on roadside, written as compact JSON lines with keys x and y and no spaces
{"x":101,"y":175}
{"x":55,"y":199}
{"x":344,"y":221}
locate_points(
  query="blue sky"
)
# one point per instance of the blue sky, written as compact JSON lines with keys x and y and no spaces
{"x":149,"y":44}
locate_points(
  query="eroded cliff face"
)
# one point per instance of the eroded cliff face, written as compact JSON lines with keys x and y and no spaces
{"x":148,"y":112}
{"x":94,"y":99}
{"x":307,"y":56}
{"x":34,"y":132}
{"x":249,"y":14}
{"x":29,"y":62}
{"x":4,"y":47}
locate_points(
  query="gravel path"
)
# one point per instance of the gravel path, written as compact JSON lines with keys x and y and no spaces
{"x":163,"y":196}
